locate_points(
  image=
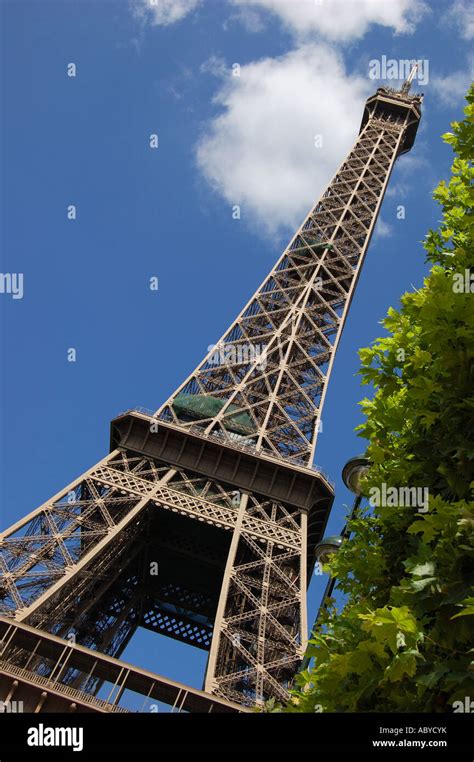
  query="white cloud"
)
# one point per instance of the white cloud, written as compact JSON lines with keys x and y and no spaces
{"x":260,"y":153}
{"x":214,"y":65}
{"x":398,"y":190}
{"x":382,"y":229}
{"x":462,"y":14}
{"x":336,"y":19}
{"x":251,"y":19}
{"x":163,"y":12}
{"x":451,"y":89}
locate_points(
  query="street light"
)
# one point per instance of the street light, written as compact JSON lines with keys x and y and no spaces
{"x":352,"y":473}
{"x":327,"y":546}
{"x":354,"y":470}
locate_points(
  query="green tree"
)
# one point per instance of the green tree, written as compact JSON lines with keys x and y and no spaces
{"x":404,"y":639}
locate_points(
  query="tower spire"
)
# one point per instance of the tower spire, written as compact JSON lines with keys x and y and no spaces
{"x":405,"y":88}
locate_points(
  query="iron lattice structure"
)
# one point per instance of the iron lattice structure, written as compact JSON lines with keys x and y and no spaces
{"x":215,"y":489}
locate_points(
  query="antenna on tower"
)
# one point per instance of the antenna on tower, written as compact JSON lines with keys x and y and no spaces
{"x":405,"y":88}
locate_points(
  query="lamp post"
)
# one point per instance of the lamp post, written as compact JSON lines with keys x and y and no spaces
{"x":352,"y":473}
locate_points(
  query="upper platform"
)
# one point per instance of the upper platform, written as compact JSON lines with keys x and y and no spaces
{"x":396,"y":106}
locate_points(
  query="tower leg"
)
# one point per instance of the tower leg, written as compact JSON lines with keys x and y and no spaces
{"x":260,"y":631}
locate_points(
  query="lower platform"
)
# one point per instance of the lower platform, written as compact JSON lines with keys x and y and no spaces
{"x":38,"y":671}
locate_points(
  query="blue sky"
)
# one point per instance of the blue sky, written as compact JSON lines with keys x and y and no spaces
{"x":223,"y":140}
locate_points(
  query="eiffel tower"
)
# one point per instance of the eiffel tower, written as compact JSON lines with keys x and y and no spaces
{"x":202,"y":522}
